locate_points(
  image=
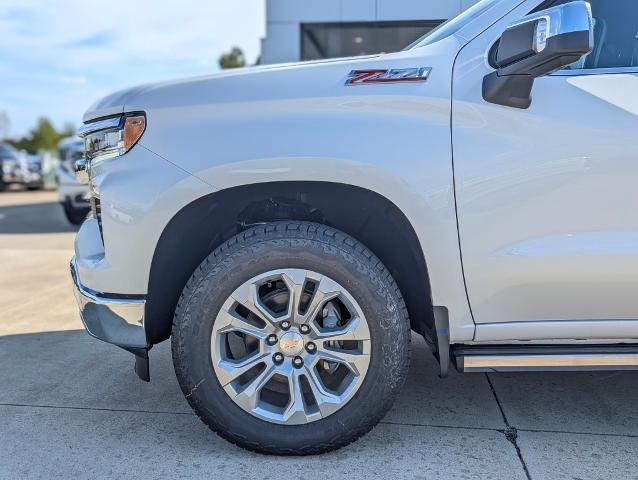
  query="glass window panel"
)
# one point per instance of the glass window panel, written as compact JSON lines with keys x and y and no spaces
{"x":333,"y":40}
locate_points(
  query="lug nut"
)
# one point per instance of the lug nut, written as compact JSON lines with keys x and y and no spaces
{"x":278,"y":357}
{"x":311,"y":347}
{"x":304,"y":329}
{"x":285,"y":325}
{"x":271,"y":339}
{"x":297,"y":362}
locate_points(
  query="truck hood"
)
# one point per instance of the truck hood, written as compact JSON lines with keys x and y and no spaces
{"x":144,"y":96}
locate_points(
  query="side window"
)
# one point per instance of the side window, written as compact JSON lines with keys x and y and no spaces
{"x":615,"y":35}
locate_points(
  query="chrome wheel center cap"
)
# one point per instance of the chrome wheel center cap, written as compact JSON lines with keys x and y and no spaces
{"x":291,"y":344}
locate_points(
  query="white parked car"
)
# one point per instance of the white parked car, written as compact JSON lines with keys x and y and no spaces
{"x":73,"y":195}
{"x":289,"y":226}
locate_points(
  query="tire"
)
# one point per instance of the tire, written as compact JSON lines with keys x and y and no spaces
{"x":313,"y":248}
{"x":75,"y":216}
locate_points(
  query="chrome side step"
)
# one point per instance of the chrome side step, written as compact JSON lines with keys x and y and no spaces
{"x":515,"y":358}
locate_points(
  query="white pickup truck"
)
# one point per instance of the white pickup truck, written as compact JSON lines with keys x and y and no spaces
{"x":290,"y":226}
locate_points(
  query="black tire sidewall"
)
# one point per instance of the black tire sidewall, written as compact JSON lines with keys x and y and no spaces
{"x":75,"y":216}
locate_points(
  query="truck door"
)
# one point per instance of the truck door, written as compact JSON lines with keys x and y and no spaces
{"x":547,"y":197}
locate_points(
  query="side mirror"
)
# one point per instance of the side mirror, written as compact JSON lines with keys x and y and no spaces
{"x":538,"y":45}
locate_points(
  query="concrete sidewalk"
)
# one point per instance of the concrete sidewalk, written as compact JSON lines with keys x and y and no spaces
{"x":71,"y":406}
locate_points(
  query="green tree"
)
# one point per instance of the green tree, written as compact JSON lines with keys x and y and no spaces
{"x":43,"y":137}
{"x":233,"y":59}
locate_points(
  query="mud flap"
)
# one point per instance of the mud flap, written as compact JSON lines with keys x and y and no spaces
{"x":442,"y":329}
{"x":142,"y":366}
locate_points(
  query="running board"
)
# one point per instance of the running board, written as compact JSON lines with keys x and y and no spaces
{"x":520,"y":358}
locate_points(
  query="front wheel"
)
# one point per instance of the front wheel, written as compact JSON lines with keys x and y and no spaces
{"x":75,"y":216}
{"x":291,"y":338}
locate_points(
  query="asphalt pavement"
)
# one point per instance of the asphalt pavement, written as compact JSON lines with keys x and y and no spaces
{"x":71,"y":406}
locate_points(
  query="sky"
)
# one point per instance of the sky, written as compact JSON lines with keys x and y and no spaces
{"x":58,"y":57}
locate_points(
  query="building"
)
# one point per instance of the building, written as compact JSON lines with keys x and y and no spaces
{"x":314,"y":29}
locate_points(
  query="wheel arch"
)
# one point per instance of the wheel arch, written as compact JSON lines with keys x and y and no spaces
{"x":204,"y":224}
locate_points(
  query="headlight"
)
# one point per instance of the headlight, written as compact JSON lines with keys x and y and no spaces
{"x":112,"y":137}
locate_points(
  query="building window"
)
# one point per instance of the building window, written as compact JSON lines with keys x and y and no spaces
{"x":332,"y":40}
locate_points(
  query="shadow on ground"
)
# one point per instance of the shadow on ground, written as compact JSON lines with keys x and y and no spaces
{"x":34,"y":218}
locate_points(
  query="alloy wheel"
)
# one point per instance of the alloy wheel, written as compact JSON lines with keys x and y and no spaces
{"x":290,"y":346}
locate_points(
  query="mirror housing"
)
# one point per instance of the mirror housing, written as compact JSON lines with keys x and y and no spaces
{"x":538,"y":45}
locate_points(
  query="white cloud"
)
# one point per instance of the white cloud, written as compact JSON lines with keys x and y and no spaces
{"x":57,"y":57}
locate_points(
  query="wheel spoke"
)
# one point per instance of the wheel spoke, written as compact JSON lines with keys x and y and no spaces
{"x":230,"y":321}
{"x":248,"y":297}
{"x":248,"y":398}
{"x":230,"y":370}
{"x":357,"y":362}
{"x":294,"y":280}
{"x":327,"y":402}
{"x":354,"y":330}
{"x":295,"y":412}
{"x":325,"y":290}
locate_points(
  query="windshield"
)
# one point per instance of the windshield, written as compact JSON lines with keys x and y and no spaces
{"x":455,"y":24}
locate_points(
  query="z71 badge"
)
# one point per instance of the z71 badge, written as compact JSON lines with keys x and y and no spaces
{"x":394,"y":75}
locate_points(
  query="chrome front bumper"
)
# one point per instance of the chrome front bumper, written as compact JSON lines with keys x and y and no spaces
{"x":114,"y":319}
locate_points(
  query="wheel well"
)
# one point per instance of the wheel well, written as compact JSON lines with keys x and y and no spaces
{"x":206,"y":223}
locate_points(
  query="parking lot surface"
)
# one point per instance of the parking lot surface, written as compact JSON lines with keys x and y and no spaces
{"x":71,"y":406}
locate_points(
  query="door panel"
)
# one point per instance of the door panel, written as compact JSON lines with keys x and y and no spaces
{"x":547,"y":198}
